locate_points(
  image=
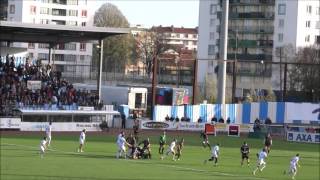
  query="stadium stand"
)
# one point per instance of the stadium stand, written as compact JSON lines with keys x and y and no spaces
{"x":55,"y":92}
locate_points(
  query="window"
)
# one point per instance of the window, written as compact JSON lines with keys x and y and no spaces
{"x":307,"y":38}
{"x":309,"y":9}
{"x":211,"y":49}
{"x":213,"y":9}
{"x":44,"y":10}
{"x":281,"y":23}
{"x":195,"y":36}
{"x":45,"y":1}
{"x":73,"y":13}
{"x":84,"y":13}
{"x":281,"y":9}
{"x":43,"y":56}
{"x":59,"y":12}
{"x":211,"y":22}
{"x":72,"y":2}
{"x":280,"y":37}
{"x":33,"y":9}
{"x":70,"y":46}
{"x":72,"y":23}
{"x":308,"y":24}
{"x":194,"y":42}
{"x":43,"y":46}
{"x":318,"y":11}
{"x":186,"y":35}
{"x":82,"y":46}
{"x":31,"y":45}
{"x":211,"y":35}
{"x":82,"y":57}
{"x":44,"y":21}
{"x":318,"y":25}
{"x":83,"y":24}
{"x":12,"y":9}
{"x":317,"y":39}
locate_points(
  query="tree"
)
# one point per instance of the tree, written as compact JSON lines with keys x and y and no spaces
{"x":117,"y":50}
{"x":149,"y":45}
{"x":304,"y":77}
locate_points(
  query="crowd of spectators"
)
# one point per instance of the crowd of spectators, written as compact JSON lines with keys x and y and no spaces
{"x":54,"y":93}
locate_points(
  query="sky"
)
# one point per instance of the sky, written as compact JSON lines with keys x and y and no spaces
{"x":179,"y":13}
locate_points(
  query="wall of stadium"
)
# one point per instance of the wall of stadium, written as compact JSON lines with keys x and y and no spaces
{"x":278,"y":112}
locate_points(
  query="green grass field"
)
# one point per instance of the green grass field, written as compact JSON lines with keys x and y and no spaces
{"x":20,"y":160}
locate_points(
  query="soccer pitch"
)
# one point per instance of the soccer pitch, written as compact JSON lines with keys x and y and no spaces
{"x":20,"y":159}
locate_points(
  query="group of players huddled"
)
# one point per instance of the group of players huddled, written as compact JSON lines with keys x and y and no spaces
{"x":142,"y":150}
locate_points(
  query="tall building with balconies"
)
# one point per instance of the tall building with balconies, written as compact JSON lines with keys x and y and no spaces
{"x":250,"y":39}
{"x":70,"y":58}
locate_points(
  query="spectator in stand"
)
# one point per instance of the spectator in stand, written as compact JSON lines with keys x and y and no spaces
{"x":268,"y":121}
{"x":199,"y":120}
{"x":177,"y":119}
{"x":183,"y":119}
{"x":256,"y":125}
{"x":188,"y":119}
{"x":171,"y":118}
{"x":221,"y":120}
{"x":228,"y":120}
{"x":167,"y":118}
{"x":214,"y":119}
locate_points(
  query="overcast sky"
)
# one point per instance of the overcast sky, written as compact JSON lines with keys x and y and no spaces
{"x":158,"y":12}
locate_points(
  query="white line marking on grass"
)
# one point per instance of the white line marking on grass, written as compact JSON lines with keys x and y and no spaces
{"x":144,"y":162}
{"x":198,"y":170}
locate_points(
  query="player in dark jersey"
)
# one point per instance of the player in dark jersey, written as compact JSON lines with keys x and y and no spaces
{"x":268,"y":142}
{"x":146,"y":148}
{"x":205,"y":139}
{"x":162,"y":142}
{"x":179,"y":148}
{"x":132,"y":141}
{"x":245,"y":150}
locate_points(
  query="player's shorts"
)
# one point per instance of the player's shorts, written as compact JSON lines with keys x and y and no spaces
{"x":161,"y":144}
{"x":205,"y":142}
{"x":170,"y":150}
{"x":245,"y":156}
{"x":41,"y":149}
{"x":261,"y":162}
{"x":215,"y":155}
{"x":121,"y":147}
{"x":81,"y":141}
{"x":293,"y":168}
{"x":49,"y":137}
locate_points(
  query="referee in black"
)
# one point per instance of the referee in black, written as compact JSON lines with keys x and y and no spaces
{"x":245,"y":150}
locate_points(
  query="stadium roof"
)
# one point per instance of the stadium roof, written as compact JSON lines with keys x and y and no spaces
{"x":48,"y":33}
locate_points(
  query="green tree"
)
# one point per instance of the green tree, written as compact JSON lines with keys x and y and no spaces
{"x":306,"y":78}
{"x":117,"y":50}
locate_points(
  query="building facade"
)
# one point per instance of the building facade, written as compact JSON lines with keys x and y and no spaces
{"x":70,"y":58}
{"x":296,"y":25}
{"x":186,"y":38}
{"x":254,"y":30}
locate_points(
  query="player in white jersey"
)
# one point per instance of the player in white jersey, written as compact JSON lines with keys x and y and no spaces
{"x":215,"y":151}
{"x":48,"y":133}
{"x":261,"y":164}
{"x":293,"y":166}
{"x":42,"y":147}
{"x":82,"y":138}
{"x":171,"y":149}
{"x":121,"y":143}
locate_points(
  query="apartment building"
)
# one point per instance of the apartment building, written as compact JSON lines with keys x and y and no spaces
{"x":256,"y":29}
{"x":70,"y":58}
{"x":296,"y":25}
{"x":187,"y":38}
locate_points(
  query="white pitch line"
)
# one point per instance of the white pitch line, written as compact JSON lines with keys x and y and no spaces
{"x":143,"y":162}
{"x":200,"y":170}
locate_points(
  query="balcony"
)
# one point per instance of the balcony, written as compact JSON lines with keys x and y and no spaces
{"x":63,"y":2}
{"x":252,"y":2}
{"x":252,"y":15}
{"x":250,"y":43}
{"x":59,"y":12}
{"x":245,"y":69}
{"x":252,"y":29}
{"x":253,"y":57}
